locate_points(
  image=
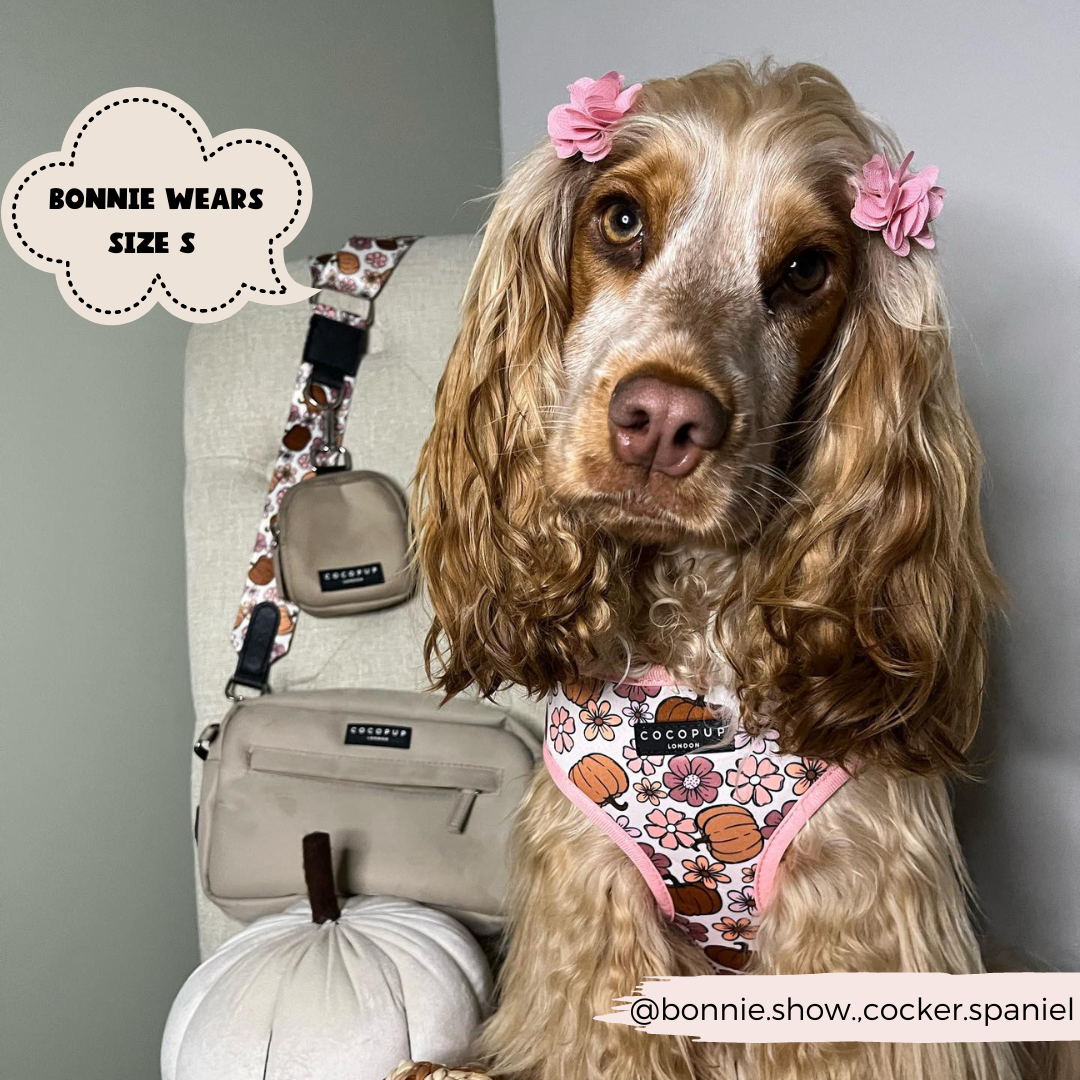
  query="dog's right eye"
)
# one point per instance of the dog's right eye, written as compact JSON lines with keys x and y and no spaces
{"x":620,"y":223}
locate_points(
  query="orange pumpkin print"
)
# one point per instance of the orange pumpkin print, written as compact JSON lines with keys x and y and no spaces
{"x":602,"y":779}
{"x":730,"y":832}
{"x":262,"y":572}
{"x":285,"y":620}
{"x":683,"y":710}
{"x":297,"y":437}
{"x":582,"y":691}
{"x":691,"y":899}
{"x":736,"y":959}
{"x":347,"y":262}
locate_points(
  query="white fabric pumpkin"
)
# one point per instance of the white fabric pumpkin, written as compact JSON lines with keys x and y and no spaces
{"x":289,"y":999}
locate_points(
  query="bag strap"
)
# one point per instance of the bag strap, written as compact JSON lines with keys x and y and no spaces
{"x":313,"y":435}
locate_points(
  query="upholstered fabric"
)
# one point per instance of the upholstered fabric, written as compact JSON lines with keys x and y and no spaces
{"x":238,"y":377}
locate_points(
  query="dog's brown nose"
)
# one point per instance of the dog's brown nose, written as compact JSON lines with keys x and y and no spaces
{"x":663,"y":426}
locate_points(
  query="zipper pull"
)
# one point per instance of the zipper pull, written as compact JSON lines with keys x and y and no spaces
{"x":463,"y":805}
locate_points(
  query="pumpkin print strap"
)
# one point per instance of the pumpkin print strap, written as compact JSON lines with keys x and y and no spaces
{"x":314,"y":428}
{"x":702,"y":807}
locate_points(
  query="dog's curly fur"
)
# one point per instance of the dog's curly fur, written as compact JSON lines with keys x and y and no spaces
{"x":827,"y":561}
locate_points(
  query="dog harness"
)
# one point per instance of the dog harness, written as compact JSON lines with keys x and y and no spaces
{"x":703,"y":809}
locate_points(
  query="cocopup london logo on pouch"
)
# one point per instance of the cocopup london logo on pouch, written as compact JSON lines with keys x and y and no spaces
{"x":143,"y":206}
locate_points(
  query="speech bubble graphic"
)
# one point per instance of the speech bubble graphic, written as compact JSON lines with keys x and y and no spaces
{"x":142,"y":206}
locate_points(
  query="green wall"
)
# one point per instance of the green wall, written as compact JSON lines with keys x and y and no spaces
{"x":394,"y":107}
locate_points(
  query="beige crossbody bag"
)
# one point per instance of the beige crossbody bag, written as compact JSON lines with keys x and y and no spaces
{"x":418,"y":799}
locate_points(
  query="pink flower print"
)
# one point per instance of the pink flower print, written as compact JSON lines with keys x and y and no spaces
{"x":694,"y":931}
{"x":755,"y":779}
{"x":748,"y":871}
{"x":376,"y":259}
{"x":260,"y":542}
{"x":585,"y":123}
{"x":742,"y":900}
{"x":633,"y":692}
{"x":657,"y":858}
{"x":774,"y":817}
{"x":561,"y":731}
{"x":624,"y":823}
{"x":702,"y":871}
{"x":671,"y":828}
{"x":645,"y":764}
{"x":692,"y":782}
{"x":360,"y":243}
{"x":648,"y":791}
{"x":637,"y":712}
{"x":804,"y":772}
{"x":734,"y":929}
{"x":343,"y":283}
{"x":597,"y":718}
{"x":898,"y":204}
{"x":758,"y":744}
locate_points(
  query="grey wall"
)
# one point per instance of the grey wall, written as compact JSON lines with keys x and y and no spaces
{"x":394,"y":108}
{"x":988,"y":93}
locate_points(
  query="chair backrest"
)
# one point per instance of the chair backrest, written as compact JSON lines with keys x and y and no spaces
{"x":238,"y":377}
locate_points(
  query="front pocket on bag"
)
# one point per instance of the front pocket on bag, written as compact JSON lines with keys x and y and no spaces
{"x":460,"y":783}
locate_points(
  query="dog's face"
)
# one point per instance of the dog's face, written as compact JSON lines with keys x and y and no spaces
{"x":708,"y":273}
{"x":695,"y":413}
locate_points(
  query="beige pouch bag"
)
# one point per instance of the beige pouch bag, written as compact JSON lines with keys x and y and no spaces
{"x":418,"y":799}
{"x":342,"y":544}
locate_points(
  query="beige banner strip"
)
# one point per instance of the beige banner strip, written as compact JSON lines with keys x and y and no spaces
{"x":858,"y":1007}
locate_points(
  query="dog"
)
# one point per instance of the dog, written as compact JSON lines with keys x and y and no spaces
{"x":697,"y":418}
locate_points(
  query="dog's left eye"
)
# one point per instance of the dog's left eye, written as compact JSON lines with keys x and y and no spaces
{"x":806,"y":272}
{"x":620,"y":223}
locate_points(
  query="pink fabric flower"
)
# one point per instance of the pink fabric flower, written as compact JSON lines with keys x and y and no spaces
{"x":898,"y":204}
{"x":774,"y":817}
{"x":646,"y":764}
{"x":755,"y":779}
{"x":585,"y":123}
{"x":599,"y":720}
{"x":742,"y":900}
{"x":634,"y":692}
{"x":670,"y":828}
{"x":693,"y":930}
{"x":805,"y":772}
{"x":562,"y":730}
{"x":657,"y":858}
{"x":707,"y":873}
{"x":758,"y":744}
{"x":733,"y":929}
{"x":648,"y":791}
{"x":692,"y":782}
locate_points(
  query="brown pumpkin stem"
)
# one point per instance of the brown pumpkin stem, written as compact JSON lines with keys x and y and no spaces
{"x":612,"y":801}
{"x":319,"y":878}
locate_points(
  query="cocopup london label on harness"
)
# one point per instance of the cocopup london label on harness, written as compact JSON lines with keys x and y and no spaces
{"x":659,"y":739}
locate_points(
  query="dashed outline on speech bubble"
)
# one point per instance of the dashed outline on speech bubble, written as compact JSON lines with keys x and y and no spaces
{"x":191,"y":313}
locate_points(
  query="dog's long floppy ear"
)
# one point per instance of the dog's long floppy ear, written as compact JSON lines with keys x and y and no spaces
{"x":507,"y":582}
{"x":859,"y":624}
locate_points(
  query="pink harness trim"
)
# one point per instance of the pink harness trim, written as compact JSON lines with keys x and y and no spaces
{"x":831,"y":782}
{"x":608,"y":827}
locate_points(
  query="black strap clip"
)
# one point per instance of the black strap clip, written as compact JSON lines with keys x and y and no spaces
{"x":253,"y":664}
{"x":334,"y":350}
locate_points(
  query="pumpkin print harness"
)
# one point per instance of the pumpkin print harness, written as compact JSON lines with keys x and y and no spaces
{"x":706,"y":827}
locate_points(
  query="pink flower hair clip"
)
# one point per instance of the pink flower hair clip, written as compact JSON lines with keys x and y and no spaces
{"x":585,"y":123}
{"x":898,"y":204}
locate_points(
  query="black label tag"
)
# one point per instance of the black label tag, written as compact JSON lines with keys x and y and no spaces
{"x":351,"y":577}
{"x":378,"y":735}
{"x":658,"y":739}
